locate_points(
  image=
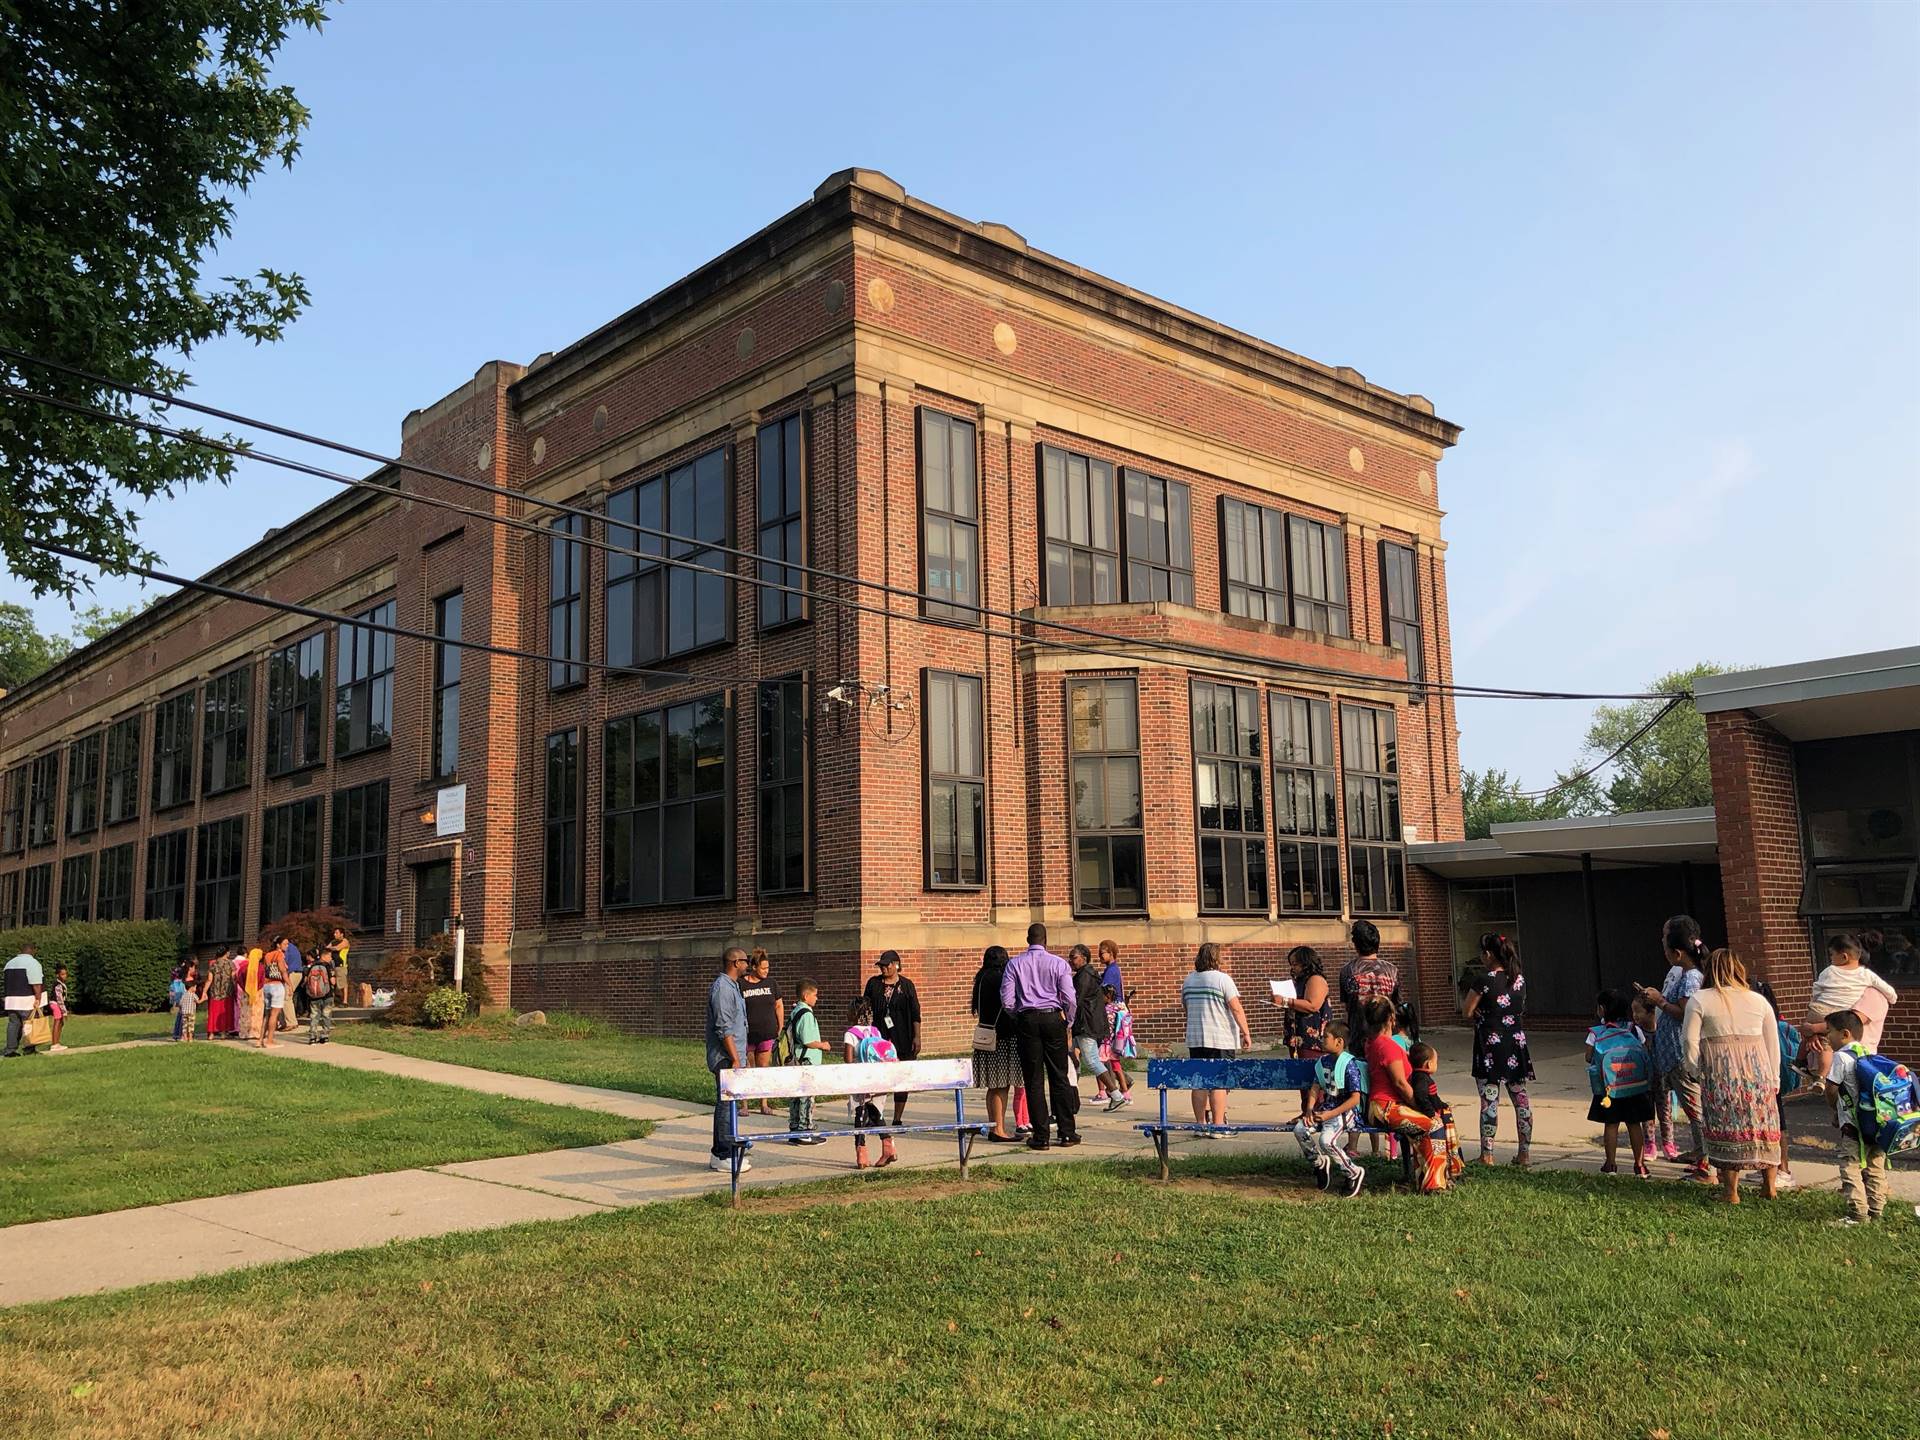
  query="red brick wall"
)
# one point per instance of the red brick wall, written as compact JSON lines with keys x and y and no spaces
{"x":1757,"y":815}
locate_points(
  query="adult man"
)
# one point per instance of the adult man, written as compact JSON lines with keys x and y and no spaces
{"x":336,"y":951}
{"x":1037,"y":990}
{"x":1366,"y":975}
{"x":896,"y":1010}
{"x":25,"y":993}
{"x":295,"y":962}
{"x":726,"y":1047}
{"x":1090,"y":1029}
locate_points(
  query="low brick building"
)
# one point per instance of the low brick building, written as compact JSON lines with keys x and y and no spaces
{"x":1111,"y":616}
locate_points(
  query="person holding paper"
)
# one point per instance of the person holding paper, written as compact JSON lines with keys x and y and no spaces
{"x":1305,"y":1003}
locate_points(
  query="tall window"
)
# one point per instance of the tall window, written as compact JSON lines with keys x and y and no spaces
{"x":123,"y":770}
{"x":1306,"y":805}
{"x":363,"y":684}
{"x":1376,"y":856}
{"x":13,"y":811}
{"x":83,"y":786}
{"x":949,"y":519}
{"x":173,"y":751}
{"x":782,"y":508}
{"x":114,"y":897}
{"x":223,"y":749}
{"x":1159,"y":539}
{"x":446,"y":687}
{"x":1317,"y":559}
{"x":43,"y":796}
{"x":1077,"y":523}
{"x":220,"y":875}
{"x":1109,"y":826}
{"x":1230,"y":821}
{"x":566,"y":601}
{"x":956,"y":803}
{"x":668,"y":824}
{"x":1400,"y":603}
{"x":654,"y":611}
{"x":167,"y":878}
{"x":357,"y":881}
{"x":36,"y":894}
{"x":289,"y":859}
{"x":9,"y":900}
{"x":1254,"y":555}
{"x":784,"y":779}
{"x":563,"y":822}
{"x":296,"y":687}
{"x":76,"y":888}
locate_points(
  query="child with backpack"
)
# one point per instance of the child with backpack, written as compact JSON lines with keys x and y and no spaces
{"x":1121,"y":1046}
{"x":1876,"y":1102}
{"x":1620,"y":1072}
{"x":863,"y":1044}
{"x":800,"y":1037}
{"x":316,"y":983}
{"x":1331,"y":1112}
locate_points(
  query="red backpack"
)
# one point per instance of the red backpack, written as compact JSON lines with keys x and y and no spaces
{"x":319,"y":981}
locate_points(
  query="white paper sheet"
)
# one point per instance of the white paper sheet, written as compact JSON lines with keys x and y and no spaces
{"x":1283,"y":990}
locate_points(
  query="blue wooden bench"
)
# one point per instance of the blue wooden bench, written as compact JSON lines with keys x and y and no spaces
{"x":1294,"y":1075}
{"x":818,"y":1082}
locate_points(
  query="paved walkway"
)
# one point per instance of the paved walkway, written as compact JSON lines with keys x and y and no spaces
{"x":56,"y":1258}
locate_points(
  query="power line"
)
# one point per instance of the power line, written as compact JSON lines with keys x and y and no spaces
{"x":1622,"y":749}
{"x":1209,"y":653}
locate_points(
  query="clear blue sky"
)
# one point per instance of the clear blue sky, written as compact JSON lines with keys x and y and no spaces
{"x":1662,"y":264}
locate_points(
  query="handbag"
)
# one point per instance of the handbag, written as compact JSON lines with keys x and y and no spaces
{"x":985,"y":1037}
{"x":39,"y":1029}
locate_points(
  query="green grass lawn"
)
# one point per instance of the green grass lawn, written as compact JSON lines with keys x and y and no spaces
{"x":569,"y":1048}
{"x":83,"y":1030}
{"x":1082,"y":1300}
{"x":84,"y":1134}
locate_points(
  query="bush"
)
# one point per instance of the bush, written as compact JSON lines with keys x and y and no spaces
{"x":413,"y":974}
{"x":309,"y":929}
{"x":116,"y":965}
{"x":443,"y":1006}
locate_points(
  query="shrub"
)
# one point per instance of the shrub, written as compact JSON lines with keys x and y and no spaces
{"x":413,"y":974}
{"x":117,"y":965}
{"x":309,"y":929}
{"x":443,"y":1006}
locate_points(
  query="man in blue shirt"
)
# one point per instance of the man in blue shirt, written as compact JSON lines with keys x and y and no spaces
{"x":1037,"y":990}
{"x":726,"y":1046}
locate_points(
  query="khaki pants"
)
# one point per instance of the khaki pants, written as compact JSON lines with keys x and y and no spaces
{"x":1862,"y":1185}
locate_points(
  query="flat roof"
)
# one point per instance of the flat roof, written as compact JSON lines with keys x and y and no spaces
{"x":1614,"y":842}
{"x":1868,"y":694}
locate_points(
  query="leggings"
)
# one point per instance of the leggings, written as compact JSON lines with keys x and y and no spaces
{"x":1490,"y":1113}
{"x":1677,"y":1082}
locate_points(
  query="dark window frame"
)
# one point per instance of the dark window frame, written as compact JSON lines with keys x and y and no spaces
{"x":289,"y":877}
{"x":1305,"y":773}
{"x":295,"y":737}
{"x":227,"y":695}
{"x":1242,"y":847}
{"x":36,"y":895}
{"x":10,"y":899}
{"x":567,"y":577}
{"x":76,"y":867}
{"x":122,"y":770}
{"x":563,"y":889}
{"x":948,"y":605}
{"x":1327,"y":539}
{"x":165,"y":865}
{"x":1263,"y":598}
{"x":43,"y":800}
{"x":633,"y":585}
{"x":782,"y":538}
{"x":1105,"y":756}
{"x":955,"y":780}
{"x":1400,"y":570}
{"x":1374,"y":793}
{"x":447,"y":669}
{"x":1063,"y":557}
{"x":778,"y":791}
{"x":86,"y":758}
{"x":1142,"y":567}
{"x":661,"y":813}
{"x":113,"y":883}
{"x":174,"y":740}
{"x":363,"y":670}
{"x":13,"y":811}
{"x":356,"y":864}
{"x":220,"y":881}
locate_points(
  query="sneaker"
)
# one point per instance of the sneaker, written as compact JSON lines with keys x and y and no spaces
{"x":1670,"y":1151}
{"x":1322,"y":1174}
{"x":56,"y":1049}
{"x":1610,"y":1169}
{"x":1115,"y":1103}
{"x":814,"y":1140}
{"x":1069,"y":1140}
{"x":1641,"y":1170}
{"x":1359,"y":1180}
{"x":1125,"y":1099}
{"x":1845,"y":1222}
{"x":1783,"y":1180}
{"x":720,"y":1162}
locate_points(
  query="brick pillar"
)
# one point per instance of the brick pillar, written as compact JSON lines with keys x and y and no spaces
{"x":1757,"y":814}
{"x":1427,"y":902}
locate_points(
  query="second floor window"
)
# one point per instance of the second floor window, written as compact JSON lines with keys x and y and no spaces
{"x":1081,"y":539}
{"x":220,"y":877}
{"x":122,"y":800}
{"x":1376,"y":854}
{"x":1109,"y":825}
{"x":1400,"y":603}
{"x":563,"y":822}
{"x":357,"y":881}
{"x":1317,"y":574}
{"x":289,"y":859}
{"x":223,"y":757}
{"x":83,"y":786}
{"x":667,"y":829}
{"x":782,"y":508}
{"x":566,"y":601}
{"x":173,"y":751}
{"x":1253,"y":548}
{"x":655,"y":610}
{"x":296,"y":683}
{"x":13,"y":811}
{"x":167,"y":878}
{"x":363,"y":684}
{"x":76,"y":888}
{"x":114,"y":885}
{"x":1231,"y":821}
{"x":36,"y":894}
{"x":783,"y":786}
{"x":43,"y":799}
{"x":446,"y":687}
{"x":949,"y":519}
{"x":1159,"y":538}
{"x":956,"y":793}
{"x":1306,"y":805}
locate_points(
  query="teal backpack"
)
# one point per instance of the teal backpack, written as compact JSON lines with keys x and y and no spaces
{"x":1886,"y":1101}
{"x":1620,"y":1068}
{"x":1789,"y":1058}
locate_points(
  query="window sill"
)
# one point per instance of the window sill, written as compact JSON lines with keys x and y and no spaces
{"x":171,"y":806}
{"x":341,"y":753}
{"x":1080,"y":914}
{"x":628,"y":906}
{"x":782,"y":626}
{"x":224,"y":790}
{"x":293,"y":770}
{"x":970,"y":888}
{"x":120,"y":820}
{"x":569,"y":688}
{"x":952,"y":622}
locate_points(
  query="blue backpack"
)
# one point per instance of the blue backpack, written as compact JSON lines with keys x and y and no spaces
{"x":177,"y":989}
{"x":1886,"y":1107}
{"x":1789,"y":1058}
{"x":1620,"y":1068}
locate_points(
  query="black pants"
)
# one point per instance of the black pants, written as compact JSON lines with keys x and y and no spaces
{"x":722,"y":1122}
{"x":1042,"y":1036}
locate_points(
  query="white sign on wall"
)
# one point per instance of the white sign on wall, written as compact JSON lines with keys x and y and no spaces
{"x":450,"y":811}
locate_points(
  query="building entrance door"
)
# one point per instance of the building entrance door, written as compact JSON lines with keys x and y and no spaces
{"x":432,"y":900}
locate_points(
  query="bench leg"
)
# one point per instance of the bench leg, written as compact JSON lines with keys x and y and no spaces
{"x":736,"y":1152}
{"x":1160,"y":1139}
{"x":966,"y":1151}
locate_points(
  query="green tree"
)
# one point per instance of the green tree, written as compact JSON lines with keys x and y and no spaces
{"x":24,"y":651}
{"x":127,"y":129}
{"x":96,"y":620}
{"x":1493,"y":797}
{"x":1665,"y":769}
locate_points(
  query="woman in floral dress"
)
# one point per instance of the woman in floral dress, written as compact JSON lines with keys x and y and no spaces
{"x":1732,"y":1044}
{"x":1497,"y":1005}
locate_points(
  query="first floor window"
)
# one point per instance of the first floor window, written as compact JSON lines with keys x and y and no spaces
{"x":1376,"y":855}
{"x":9,"y":900}
{"x":1306,"y":821}
{"x":36,"y":894}
{"x":114,"y":898}
{"x":289,"y":859}
{"x":666,"y":835}
{"x":1109,"y":834}
{"x":220,"y":878}
{"x":167,"y":878}
{"x":357,"y":881}
{"x":563,"y":821}
{"x":1230,"y":819}
{"x":76,"y":888}
{"x":783,"y":750}
{"x":956,"y":800}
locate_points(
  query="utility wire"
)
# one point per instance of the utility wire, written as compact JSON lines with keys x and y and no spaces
{"x":1211,"y":654}
{"x":1624,"y":746}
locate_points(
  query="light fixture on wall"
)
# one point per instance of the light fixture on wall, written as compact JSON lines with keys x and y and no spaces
{"x":427,"y":816}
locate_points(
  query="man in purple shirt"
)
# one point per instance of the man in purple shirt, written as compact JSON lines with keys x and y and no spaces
{"x":1037,"y":991}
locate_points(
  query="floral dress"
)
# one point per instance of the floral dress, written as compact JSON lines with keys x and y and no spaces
{"x":1308,"y":1027}
{"x":1499,"y":1030}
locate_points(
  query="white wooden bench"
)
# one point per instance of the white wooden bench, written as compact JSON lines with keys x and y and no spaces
{"x":818,"y":1082}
